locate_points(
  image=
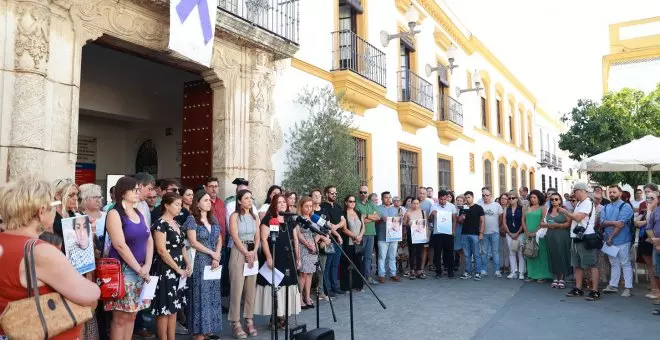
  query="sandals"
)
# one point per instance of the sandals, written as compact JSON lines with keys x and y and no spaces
{"x":561,"y":284}
{"x":422,"y":276}
{"x":250,"y":326}
{"x":412,"y":276}
{"x":237,"y":330}
{"x":554,"y":284}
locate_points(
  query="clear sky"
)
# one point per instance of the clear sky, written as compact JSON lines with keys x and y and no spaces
{"x":554,"y":47}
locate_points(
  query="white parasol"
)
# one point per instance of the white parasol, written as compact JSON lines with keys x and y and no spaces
{"x":639,"y":155}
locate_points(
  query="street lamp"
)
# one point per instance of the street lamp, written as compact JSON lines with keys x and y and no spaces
{"x":476,"y":78}
{"x":412,"y":16}
{"x":451,"y":57}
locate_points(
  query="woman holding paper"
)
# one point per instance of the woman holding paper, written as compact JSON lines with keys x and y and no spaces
{"x":243,"y":231}
{"x":415,"y":257}
{"x":203,"y":232}
{"x":309,"y":253}
{"x":286,"y":239}
{"x":133,"y":246}
{"x":171,"y":265}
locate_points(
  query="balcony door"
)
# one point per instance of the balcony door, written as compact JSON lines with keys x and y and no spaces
{"x":405,"y":73}
{"x":347,"y":37}
{"x":443,"y":87}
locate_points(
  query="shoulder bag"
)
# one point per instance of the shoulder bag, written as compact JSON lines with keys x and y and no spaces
{"x":40,"y":316}
{"x":595,"y":240}
{"x":531,"y":248}
{"x":109,"y":276}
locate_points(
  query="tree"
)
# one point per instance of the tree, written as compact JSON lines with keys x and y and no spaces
{"x":598,"y":127}
{"x":322,"y":150}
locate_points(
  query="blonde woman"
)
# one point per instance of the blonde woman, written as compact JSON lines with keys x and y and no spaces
{"x":309,"y":253}
{"x":66,"y":191}
{"x":27,"y":207}
{"x":243,"y":229}
{"x":91,"y":203}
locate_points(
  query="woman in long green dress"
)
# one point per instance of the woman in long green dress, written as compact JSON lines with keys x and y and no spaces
{"x":558,"y":240}
{"x":537,"y":268}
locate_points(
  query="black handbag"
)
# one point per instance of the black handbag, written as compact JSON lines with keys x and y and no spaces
{"x":359,"y":249}
{"x":595,"y":240}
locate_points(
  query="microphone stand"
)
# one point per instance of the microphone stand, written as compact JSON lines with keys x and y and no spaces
{"x":350,"y":283}
{"x":319,"y":270}
{"x":289,"y":231}
{"x":273,"y":330}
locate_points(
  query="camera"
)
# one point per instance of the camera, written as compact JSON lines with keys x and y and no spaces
{"x":579,"y":232}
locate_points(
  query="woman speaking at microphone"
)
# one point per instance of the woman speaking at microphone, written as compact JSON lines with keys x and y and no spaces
{"x":286,"y":239}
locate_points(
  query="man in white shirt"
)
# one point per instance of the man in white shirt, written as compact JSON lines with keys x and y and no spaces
{"x":490,"y":245}
{"x":582,"y":258}
{"x":639,"y":198}
{"x":443,"y":214}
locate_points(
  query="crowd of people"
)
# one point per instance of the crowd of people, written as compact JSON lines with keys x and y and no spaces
{"x":158,"y":229}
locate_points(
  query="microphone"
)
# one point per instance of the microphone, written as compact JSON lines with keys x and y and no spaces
{"x":307,"y":224}
{"x":287,"y":214}
{"x":274,"y":225}
{"x":321,"y":222}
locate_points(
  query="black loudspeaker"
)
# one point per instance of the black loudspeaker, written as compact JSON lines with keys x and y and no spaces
{"x":317,"y":334}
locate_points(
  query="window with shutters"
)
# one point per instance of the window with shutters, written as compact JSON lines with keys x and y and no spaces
{"x":361,"y":159}
{"x":543,"y":183}
{"x":556,"y":184}
{"x":500,"y":123}
{"x":488,"y":173}
{"x":484,"y":113}
{"x":523,"y":178}
{"x":444,"y":174}
{"x":502,"y":178}
{"x":514,"y":178}
{"x":408,"y":173}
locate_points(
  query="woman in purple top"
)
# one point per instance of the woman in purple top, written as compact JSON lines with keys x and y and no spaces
{"x":133,"y":246}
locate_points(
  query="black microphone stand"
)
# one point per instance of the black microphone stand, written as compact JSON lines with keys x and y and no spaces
{"x":287,"y":229}
{"x":273,"y":330}
{"x":350,"y":281}
{"x":319,"y":270}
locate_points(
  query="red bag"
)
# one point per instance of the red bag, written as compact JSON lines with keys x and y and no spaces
{"x":110,"y":279}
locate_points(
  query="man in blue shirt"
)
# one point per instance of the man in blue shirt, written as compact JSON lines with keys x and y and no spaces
{"x":616,"y":218}
{"x":387,"y":250}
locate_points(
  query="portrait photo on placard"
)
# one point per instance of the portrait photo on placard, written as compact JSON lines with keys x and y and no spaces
{"x":393,"y":229}
{"x":78,"y":243}
{"x":418,"y":233}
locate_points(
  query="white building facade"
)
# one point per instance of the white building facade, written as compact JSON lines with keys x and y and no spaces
{"x":413,"y":127}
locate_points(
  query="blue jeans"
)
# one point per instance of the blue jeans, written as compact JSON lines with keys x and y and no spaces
{"x":471,"y":247}
{"x":490,"y":247}
{"x":331,"y":281}
{"x":368,"y":254}
{"x":387,"y":253}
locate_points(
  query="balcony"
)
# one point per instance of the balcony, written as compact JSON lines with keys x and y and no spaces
{"x":270,"y":24}
{"x":559,"y":164}
{"x":358,"y":71}
{"x":553,"y":162}
{"x":450,"y":119}
{"x":545,"y":160}
{"x":415,"y":96}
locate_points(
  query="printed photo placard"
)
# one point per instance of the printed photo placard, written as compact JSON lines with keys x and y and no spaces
{"x":78,"y":243}
{"x":393,"y":230}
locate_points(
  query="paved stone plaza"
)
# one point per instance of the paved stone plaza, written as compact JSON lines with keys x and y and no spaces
{"x":490,"y":310}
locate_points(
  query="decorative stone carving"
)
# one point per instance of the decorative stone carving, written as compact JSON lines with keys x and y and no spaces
{"x":29,"y":102}
{"x":123,"y":20}
{"x":32,"y":36}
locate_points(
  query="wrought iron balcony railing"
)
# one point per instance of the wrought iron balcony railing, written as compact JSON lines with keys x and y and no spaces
{"x":279,"y":17}
{"x":559,"y":163}
{"x":545,"y":159}
{"x":450,"y":109}
{"x":350,"y":52}
{"x":554,"y":161}
{"x":413,"y":88}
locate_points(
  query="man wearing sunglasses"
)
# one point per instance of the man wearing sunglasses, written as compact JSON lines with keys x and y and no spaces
{"x":490,"y":245}
{"x":370,"y":213}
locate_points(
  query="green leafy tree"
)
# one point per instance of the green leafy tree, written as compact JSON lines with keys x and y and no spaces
{"x":322,"y":150}
{"x":598,"y":127}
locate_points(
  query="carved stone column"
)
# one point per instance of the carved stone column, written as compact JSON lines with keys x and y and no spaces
{"x":264,"y":139}
{"x":40,"y":133}
{"x":230,"y":114}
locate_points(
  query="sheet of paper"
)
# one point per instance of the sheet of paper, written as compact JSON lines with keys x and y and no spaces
{"x":210,"y":274}
{"x":251,"y":271}
{"x":610,"y":250}
{"x":182,"y":282}
{"x":268,"y":274}
{"x":149,"y":289}
{"x":443,"y":221}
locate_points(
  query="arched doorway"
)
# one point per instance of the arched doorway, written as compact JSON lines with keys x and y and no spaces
{"x":147,"y":158}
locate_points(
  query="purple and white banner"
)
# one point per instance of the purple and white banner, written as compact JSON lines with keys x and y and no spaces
{"x":192,"y":27}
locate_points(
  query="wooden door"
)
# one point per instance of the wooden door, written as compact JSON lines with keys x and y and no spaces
{"x":197,"y":134}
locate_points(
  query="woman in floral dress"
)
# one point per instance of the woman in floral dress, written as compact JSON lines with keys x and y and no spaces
{"x":203,"y":232}
{"x":170,"y":265}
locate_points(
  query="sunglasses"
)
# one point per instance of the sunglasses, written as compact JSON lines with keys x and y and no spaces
{"x":332,"y":193}
{"x":363,"y":192}
{"x":513,"y":198}
{"x":485,"y":195}
{"x":650,"y":198}
{"x":555,"y":199}
{"x":351,"y":201}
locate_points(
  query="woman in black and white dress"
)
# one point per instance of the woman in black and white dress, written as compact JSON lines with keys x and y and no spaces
{"x":170,"y":265}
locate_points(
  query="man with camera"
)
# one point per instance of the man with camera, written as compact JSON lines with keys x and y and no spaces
{"x":583,"y":255}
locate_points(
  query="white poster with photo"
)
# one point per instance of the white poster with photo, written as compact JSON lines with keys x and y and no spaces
{"x":418,"y":233}
{"x":393,"y":230}
{"x":443,"y":222}
{"x":78,"y":243}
